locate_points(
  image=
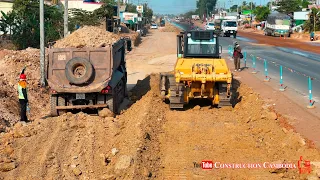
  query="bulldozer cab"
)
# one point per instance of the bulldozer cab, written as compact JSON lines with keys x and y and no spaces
{"x":199,"y":44}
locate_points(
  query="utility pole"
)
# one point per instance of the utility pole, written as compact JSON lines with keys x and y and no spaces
{"x":42,"y":60}
{"x":251,"y":12}
{"x":314,"y":21}
{"x":66,"y":18}
{"x":118,"y":8}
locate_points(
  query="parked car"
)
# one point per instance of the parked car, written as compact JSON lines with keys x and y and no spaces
{"x":154,"y":26}
{"x":210,"y":26}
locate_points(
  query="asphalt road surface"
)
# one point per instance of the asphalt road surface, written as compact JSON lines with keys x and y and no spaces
{"x":297,"y":65}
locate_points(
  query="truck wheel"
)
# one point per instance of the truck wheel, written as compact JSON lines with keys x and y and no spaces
{"x":53,"y":105}
{"x":78,"y":70}
{"x":54,"y":101}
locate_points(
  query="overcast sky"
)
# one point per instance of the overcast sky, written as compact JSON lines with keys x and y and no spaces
{"x":182,"y":6}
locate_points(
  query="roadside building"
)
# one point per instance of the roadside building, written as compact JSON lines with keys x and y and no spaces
{"x":5,"y":6}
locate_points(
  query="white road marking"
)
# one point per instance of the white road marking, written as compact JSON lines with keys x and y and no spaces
{"x":303,"y":64}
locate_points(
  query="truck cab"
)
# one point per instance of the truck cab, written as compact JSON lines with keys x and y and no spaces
{"x":229,"y":28}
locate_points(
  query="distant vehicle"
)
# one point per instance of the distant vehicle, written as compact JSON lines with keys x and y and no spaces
{"x":195,"y":17}
{"x":210,"y":26}
{"x":277,"y":24}
{"x":162,"y":22}
{"x":154,"y":26}
{"x":229,"y":27}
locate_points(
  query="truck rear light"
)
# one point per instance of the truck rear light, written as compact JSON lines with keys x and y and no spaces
{"x":106,"y":90}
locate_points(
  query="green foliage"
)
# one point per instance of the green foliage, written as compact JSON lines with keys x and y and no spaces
{"x":188,"y":14}
{"x":86,"y":18}
{"x":289,"y":6}
{"x":7,"y":22}
{"x":233,"y":8}
{"x":313,"y":24}
{"x":261,"y":12}
{"x":205,"y":5}
{"x":305,"y":3}
{"x":24,"y":20}
{"x":110,"y":2}
{"x":147,"y":12}
{"x":131,"y":8}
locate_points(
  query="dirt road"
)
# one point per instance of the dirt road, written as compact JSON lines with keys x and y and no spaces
{"x":148,"y":140}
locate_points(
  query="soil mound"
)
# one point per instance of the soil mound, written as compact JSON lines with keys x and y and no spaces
{"x":91,"y":36}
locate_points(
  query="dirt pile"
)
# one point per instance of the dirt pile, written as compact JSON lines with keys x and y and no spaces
{"x":11,"y":64}
{"x":249,"y":134}
{"x":82,"y":146}
{"x":150,"y":140}
{"x":169,"y":28}
{"x":91,"y":36}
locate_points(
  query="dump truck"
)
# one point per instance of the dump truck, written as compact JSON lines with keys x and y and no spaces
{"x":87,"y":78}
{"x":199,"y":73}
{"x":277,"y":24}
{"x":162,"y":22}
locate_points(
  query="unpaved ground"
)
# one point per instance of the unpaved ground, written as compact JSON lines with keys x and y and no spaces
{"x":150,"y":140}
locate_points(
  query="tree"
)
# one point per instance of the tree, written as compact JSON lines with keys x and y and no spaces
{"x":188,"y":14}
{"x":261,"y":12}
{"x":234,"y":8}
{"x":131,"y":8}
{"x":147,"y":12}
{"x":289,"y":6}
{"x":313,"y":24}
{"x":205,"y":5}
{"x":7,"y":22}
{"x":305,"y":3}
{"x":24,"y":23}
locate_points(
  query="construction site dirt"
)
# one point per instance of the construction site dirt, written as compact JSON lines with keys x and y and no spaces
{"x":148,"y":140}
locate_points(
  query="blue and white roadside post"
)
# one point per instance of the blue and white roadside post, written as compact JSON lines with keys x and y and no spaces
{"x":245,"y":59}
{"x":311,"y":102}
{"x":281,"y":80}
{"x":254,"y":65}
{"x":267,"y":79}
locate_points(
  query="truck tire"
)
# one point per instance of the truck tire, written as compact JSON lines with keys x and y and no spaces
{"x":53,"y":105}
{"x":54,"y":101}
{"x":78,"y":71}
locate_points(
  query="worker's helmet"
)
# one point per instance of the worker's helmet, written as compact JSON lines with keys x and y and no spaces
{"x":23,"y":77}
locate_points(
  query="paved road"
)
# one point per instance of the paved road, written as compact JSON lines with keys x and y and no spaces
{"x":292,"y":60}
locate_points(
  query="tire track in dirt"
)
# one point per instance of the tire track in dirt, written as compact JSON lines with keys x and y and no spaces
{"x":247,"y":134}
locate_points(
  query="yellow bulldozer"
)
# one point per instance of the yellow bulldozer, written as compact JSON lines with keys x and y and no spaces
{"x":199,"y":72}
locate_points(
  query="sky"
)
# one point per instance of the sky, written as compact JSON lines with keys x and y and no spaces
{"x":182,"y":6}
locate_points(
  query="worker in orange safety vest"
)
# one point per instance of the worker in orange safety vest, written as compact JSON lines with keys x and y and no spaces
{"x":23,"y":97}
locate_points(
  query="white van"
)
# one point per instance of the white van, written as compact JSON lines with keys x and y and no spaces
{"x":229,"y":28}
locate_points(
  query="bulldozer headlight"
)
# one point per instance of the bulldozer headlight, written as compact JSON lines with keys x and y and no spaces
{"x":189,"y":34}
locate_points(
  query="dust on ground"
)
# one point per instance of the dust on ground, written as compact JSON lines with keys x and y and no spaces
{"x":169,"y":28}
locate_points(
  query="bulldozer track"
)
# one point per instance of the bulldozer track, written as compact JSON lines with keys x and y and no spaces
{"x":176,"y":93}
